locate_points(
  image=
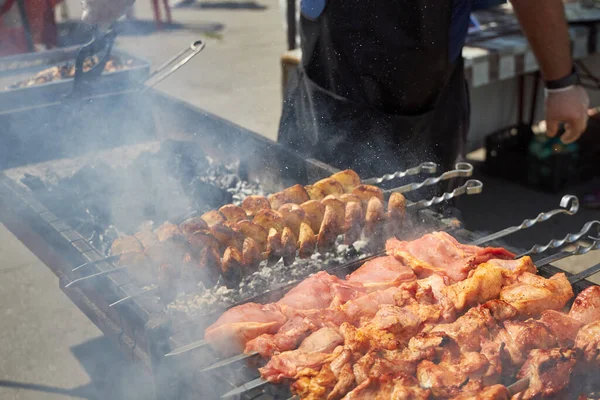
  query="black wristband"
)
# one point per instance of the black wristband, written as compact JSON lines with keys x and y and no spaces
{"x":569,"y":80}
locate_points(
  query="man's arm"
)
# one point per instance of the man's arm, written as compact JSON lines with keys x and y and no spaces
{"x":546,"y":28}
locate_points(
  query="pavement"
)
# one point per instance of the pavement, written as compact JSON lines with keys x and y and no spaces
{"x":48,"y":348}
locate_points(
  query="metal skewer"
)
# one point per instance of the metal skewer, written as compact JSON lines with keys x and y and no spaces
{"x":131,"y":296}
{"x":85,"y":278}
{"x":427,"y":167}
{"x":255,"y":384}
{"x":569,"y":204}
{"x":568,"y":239}
{"x":472,"y":186}
{"x":90,"y":263}
{"x":461,"y":170}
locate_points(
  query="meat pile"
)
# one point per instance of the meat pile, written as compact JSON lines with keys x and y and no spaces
{"x":432,"y":319}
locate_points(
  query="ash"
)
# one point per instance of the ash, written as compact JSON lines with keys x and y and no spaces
{"x":106,"y":198}
{"x":265,"y":279}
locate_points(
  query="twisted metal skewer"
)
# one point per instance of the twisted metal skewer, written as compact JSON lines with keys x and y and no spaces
{"x":461,"y":170}
{"x":427,"y":167}
{"x":472,"y":186}
{"x":577,"y":251}
{"x":568,"y":239}
{"x":569,"y":204}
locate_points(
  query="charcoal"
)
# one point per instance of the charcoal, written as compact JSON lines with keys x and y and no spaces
{"x":207,"y":195}
{"x":230,"y":181}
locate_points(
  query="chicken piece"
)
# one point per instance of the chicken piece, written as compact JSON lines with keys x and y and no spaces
{"x":345,"y":382}
{"x":295,"y":195}
{"x":293,"y":215}
{"x":274,"y":247}
{"x":269,"y":219}
{"x":146,"y":238}
{"x":396,"y":213}
{"x":348,"y":179}
{"x":350,"y":198}
{"x":320,"y":291}
{"x":227,"y":237}
{"x":289,"y":244}
{"x":385,"y":387}
{"x":365,"y":192}
{"x":468,"y":329}
{"x":240,"y":324}
{"x":251,"y":230}
{"x":307,"y":241}
{"x":374,"y":217}
{"x":484,"y":283}
{"x":314,"y":385}
{"x":191,"y":225}
{"x":315,"y":193}
{"x":381,"y":273}
{"x":328,"y":231}
{"x":232,"y":268}
{"x":392,"y":327}
{"x":532,"y":294}
{"x":440,"y":253}
{"x":562,"y":326}
{"x":251,"y":254}
{"x":353,"y":222}
{"x":329,"y":186}
{"x":500,"y":310}
{"x":588,"y":341}
{"x":314,"y":211}
{"x":446,"y":378}
{"x":549,"y":372}
{"x":200,"y":240}
{"x":287,"y":338}
{"x":213,"y":217}
{"x":586,"y":306}
{"x":520,"y":338}
{"x":495,"y":392}
{"x":362,"y":309}
{"x":233,"y":213}
{"x":339,"y":208}
{"x":207,"y":266}
{"x":252,"y":205}
{"x":314,"y":351}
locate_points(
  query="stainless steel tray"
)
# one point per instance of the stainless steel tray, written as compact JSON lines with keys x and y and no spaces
{"x":16,"y":68}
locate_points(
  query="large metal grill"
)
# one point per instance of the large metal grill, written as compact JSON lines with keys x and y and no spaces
{"x":140,"y":326}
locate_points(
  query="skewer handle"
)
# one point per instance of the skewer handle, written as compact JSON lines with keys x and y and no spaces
{"x":461,"y":170}
{"x":569,"y":205}
{"x":472,"y":186}
{"x":570,"y":238}
{"x":427,"y":167}
{"x":518,"y":386}
{"x":85,"y":278}
{"x":579,"y":250}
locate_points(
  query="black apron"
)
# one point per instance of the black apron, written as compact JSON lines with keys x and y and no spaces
{"x":376,"y":91}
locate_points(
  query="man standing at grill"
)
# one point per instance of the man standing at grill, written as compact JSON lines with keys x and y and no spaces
{"x":381,"y":85}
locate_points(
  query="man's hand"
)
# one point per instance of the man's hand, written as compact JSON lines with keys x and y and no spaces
{"x":104,"y":11}
{"x":568,"y":106}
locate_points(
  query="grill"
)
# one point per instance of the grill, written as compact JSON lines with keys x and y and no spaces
{"x":140,"y":326}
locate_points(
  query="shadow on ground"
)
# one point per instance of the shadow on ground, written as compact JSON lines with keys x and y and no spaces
{"x":112,"y":377}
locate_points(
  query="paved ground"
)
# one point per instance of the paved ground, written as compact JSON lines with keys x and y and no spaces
{"x":48,"y":348}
